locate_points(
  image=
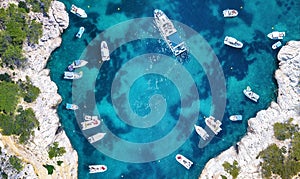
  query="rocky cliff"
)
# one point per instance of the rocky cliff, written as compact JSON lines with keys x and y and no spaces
{"x":260,"y":131}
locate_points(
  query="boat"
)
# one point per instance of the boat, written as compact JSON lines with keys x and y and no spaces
{"x":230,"y":13}
{"x":201,"y":132}
{"x":276,"y":35}
{"x":97,"y":168}
{"x":276,"y":45}
{"x":72,"y":75}
{"x":96,"y":137}
{"x":78,"y":11}
{"x":88,"y":124}
{"x":88,"y":117}
{"x":250,"y":94}
{"x":80,"y":32}
{"x":71,"y":106}
{"x":170,"y":35}
{"x":230,"y":41}
{"x":213,"y":124}
{"x":77,"y":64}
{"x":184,"y":161}
{"x":236,"y":117}
{"x":104,"y":51}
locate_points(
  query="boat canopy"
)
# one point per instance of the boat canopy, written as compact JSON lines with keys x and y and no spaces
{"x":174,"y":39}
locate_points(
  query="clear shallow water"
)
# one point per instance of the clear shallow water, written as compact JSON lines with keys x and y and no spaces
{"x":254,"y":65}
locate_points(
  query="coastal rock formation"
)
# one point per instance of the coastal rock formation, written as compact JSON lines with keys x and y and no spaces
{"x":260,"y":131}
{"x":35,"y":153}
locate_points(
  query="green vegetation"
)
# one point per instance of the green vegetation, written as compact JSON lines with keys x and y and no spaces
{"x":49,"y":168}
{"x":284,"y":131}
{"x":4,"y":175}
{"x":38,"y":5}
{"x":16,"y":163}
{"x":30,"y":92}
{"x":233,"y":169}
{"x":59,"y":163}
{"x":55,"y":151}
{"x":9,"y":97}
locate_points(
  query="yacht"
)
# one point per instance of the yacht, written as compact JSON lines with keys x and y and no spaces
{"x":201,"y":132}
{"x":276,"y":35}
{"x":184,"y":161}
{"x":250,"y":94}
{"x":236,"y":117}
{"x":230,"y":13}
{"x":96,"y":137}
{"x":276,"y":45}
{"x":213,"y":125}
{"x":71,"y":106}
{"x":78,"y":11}
{"x":88,"y":124}
{"x":97,"y":168}
{"x":104,"y":51}
{"x":72,"y":75}
{"x":230,"y":41}
{"x":170,"y":35}
{"x":80,"y":32}
{"x":77,"y":64}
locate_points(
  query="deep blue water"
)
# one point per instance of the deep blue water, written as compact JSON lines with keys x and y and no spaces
{"x":148,"y":102}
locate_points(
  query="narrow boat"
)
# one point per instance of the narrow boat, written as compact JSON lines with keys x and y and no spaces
{"x":78,"y":11}
{"x":71,"y":106}
{"x":104,"y":51}
{"x":184,"y":161}
{"x":72,"y":75}
{"x":250,"y":94}
{"x":97,"y":168}
{"x":276,"y":45}
{"x":230,"y":41}
{"x":96,"y":137}
{"x":88,"y":124}
{"x":230,"y":13}
{"x":77,"y":64}
{"x":276,"y":35}
{"x":80,"y":32}
{"x":213,"y":124}
{"x":88,"y":117}
{"x":201,"y":132}
{"x":236,"y":117}
{"x":170,"y":35}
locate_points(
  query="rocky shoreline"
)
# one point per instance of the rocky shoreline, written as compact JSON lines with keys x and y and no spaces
{"x":35,"y":153}
{"x":260,"y":131}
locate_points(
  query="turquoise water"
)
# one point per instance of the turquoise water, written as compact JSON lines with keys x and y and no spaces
{"x":149,"y":103}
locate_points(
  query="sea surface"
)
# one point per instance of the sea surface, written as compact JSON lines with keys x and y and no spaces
{"x":148,"y":102}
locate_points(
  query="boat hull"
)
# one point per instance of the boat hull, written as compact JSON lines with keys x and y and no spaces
{"x":236,"y":118}
{"x":184,"y":161}
{"x":97,"y":168}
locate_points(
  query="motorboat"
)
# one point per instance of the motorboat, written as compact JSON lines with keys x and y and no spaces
{"x":72,"y":75}
{"x":230,"y":13}
{"x":77,"y":64}
{"x":276,"y":45}
{"x":276,"y":35}
{"x":184,"y":161}
{"x":71,"y":106}
{"x":78,"y":11}
{"x":236,"y":117}
{"x":96,"y":137}
{"x":88,"y":124}
{"x":250,"y":94}
{"x":213,"y":124}
{"x":104,"y":51}
{"x":80,"y":32}
{"x":230,"y":41}
{"x":201,"y":132}
{"x":97,"y":168}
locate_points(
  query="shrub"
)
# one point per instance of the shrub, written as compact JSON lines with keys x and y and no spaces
{"x":49,"y":168}
{"x":233,"y":169}
{"x":283,"y":131}
{"x":16,"y":163}
{"x":55,"y":151}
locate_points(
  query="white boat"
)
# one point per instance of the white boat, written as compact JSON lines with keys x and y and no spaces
{"x":213,"y":124}
{"x":72,"y":75}
{"x":97,"y":168}
{"x":80,"y":32}
{"x":78,"y":11}
{"x":230,"y":13}
{"x":104,"y":51}
{"x":96,"y":137}
{"x":250,"y":94}
{"x":230,"y":41}
{"x":77,"y":64}
{"x":170,"y":35}
{"x":201,"y":132}
{"x":276,"y":35}
{"x":88,"y":117}
{"x":276,"y":45}
{"x":71,"y":106}
{"x":184,"y":161}
{"x":236,"y":117}
{"x":88,"y":124}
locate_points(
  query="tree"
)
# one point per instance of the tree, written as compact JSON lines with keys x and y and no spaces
{"x":55,"y":151}
{"x":16,"y":163}
{"x":233,"y":169}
